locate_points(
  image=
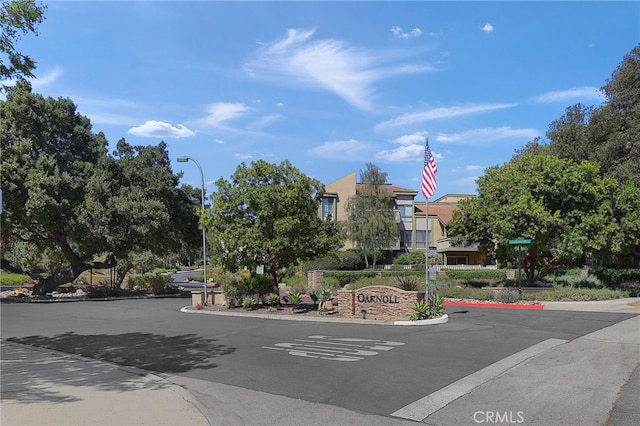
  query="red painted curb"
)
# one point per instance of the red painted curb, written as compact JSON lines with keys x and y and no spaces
{"x":494,"y":305}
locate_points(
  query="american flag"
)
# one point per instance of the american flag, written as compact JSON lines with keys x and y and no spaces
{"x":428,"y":173}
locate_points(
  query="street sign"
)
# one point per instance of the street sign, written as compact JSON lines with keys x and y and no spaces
{"x":433,"y":251}
{"x":519,"y":242}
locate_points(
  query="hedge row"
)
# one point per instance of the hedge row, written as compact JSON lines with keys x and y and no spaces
{"x":617,"y":277}
{"x":476,"y":274}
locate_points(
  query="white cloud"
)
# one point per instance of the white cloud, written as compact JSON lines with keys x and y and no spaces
{"x":47,"y":78}
{"x":589,"y":93}
{"x":417,"y":137}
{"x":473,"y":168}
{"x":397,"y":31}
{"x":220,"y":112}
{"x":341,"y":150}
{"x":265,"y":121}
{"x":403,"y":153}
{"x":487,"y":135}
{"x":161,"y":129}
{"x":440,"y":113}
{"x":110,"y":111}
{"x":487,"y":28}
{"x":242,"y":156}
{"x":329,"y":64}
{"x":218,"y":141}
{"x":411,"y":149}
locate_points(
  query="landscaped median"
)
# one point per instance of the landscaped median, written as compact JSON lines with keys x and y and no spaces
{"x":535,"y":306}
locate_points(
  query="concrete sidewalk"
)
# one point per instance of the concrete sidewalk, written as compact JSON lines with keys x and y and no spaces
{"x":590,"y":380}
{"x":43,"y":387}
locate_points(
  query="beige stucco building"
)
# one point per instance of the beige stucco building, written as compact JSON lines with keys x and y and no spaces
{"x":416,"y":231}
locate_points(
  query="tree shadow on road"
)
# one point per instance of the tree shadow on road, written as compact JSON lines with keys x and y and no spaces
{"x":34,"y":375}
{"x":154,"y":352}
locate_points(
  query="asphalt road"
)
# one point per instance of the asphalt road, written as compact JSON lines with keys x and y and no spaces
{"x":374,"y":369}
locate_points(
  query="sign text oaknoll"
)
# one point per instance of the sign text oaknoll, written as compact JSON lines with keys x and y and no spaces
{"x":366,"y":298}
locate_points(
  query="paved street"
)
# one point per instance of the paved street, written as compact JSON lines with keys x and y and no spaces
{"x":375,"y":370}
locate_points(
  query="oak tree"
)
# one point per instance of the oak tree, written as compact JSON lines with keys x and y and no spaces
{"x":566,"y":208}
{"x":267,"y":214}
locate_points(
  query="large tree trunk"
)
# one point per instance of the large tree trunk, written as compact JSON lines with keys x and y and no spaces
{"x":48,"y":284}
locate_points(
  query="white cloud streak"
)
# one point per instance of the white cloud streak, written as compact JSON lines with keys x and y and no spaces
{"x":161,"y":129}
{"x":221,"y":112}
{"x":411,"y":149}
{"x":341,"y":150}
{"x":487,"y":135}
{"x":440,"y":113}
{"x":587,"y":93}
{"x":397,"y":31}
{"x":47,"y":78}
{"x":487,"y":28}
{"x":328,"y":64}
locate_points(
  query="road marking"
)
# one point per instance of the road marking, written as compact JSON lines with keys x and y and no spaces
{"x":424,"y":407}
{"x":335,"y":349}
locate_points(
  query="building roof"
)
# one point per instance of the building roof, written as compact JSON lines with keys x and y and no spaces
{"x":443,"y":211}
{"x":393,"y":190}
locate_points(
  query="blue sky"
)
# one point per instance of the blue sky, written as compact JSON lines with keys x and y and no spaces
{"x":331,"y":86}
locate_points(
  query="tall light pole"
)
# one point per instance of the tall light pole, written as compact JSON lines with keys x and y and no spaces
{"x":204,"y":234}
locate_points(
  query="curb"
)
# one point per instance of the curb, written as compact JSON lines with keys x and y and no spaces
{"x":494,"y":305}
{"x":443,"y":319}
{"x":434,"y":321}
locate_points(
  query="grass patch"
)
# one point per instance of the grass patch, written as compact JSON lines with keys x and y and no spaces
{"x":14,"y":280}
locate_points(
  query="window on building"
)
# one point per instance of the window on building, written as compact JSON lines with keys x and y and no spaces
{"x":406,"y":241}
{"x":421,"y":239}
{"x":457,"y":260}
{"x":406,"y":212}
{"x":329,"y":208}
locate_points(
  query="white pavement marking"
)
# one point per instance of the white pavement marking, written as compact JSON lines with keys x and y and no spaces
{"x":424,"y":407}
{"x":334,"y":349}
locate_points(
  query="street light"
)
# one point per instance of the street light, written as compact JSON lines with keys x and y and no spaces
{"x":204,"y":234}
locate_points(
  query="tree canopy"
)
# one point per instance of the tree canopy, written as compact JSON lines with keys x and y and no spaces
{"x":267,"y":214}
{"x":17,"y":17}
{"x":371,"y":222}
{"x":566,"y":208}
{"x":609,"y":133}
{"x":71,"y":202}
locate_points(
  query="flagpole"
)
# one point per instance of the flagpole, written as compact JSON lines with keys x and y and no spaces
{"x":428,"y":188}
{"x":426,"y":253}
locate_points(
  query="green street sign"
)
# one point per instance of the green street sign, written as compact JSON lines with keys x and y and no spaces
{"x":519,"y":242}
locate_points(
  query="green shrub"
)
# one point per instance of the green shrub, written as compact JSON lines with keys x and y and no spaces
{"x":272,"y":298}
{"x":346,"y":277}
{"x":617,"y":277}
{"x":247,"y":302}
{"x":578,"y":281}
{"x":366,"y":282}
{"x":13,"y":280}
{"x":297,"y":284}
{"x":350,"y":260}
{"x":407,"y":282}
{"x":506,"y":296}
{"x":435,"y":306}
{"x":295,"y":299}
{"x":421,"y":311}
{"x":461,"y":292}
{"x":155,"y":283}
{"x":476,"y":274}
{"x":412,"y":258}
{"x":245,"y":285}
{"x":330,"y":283}
{"x":568,"y":294}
